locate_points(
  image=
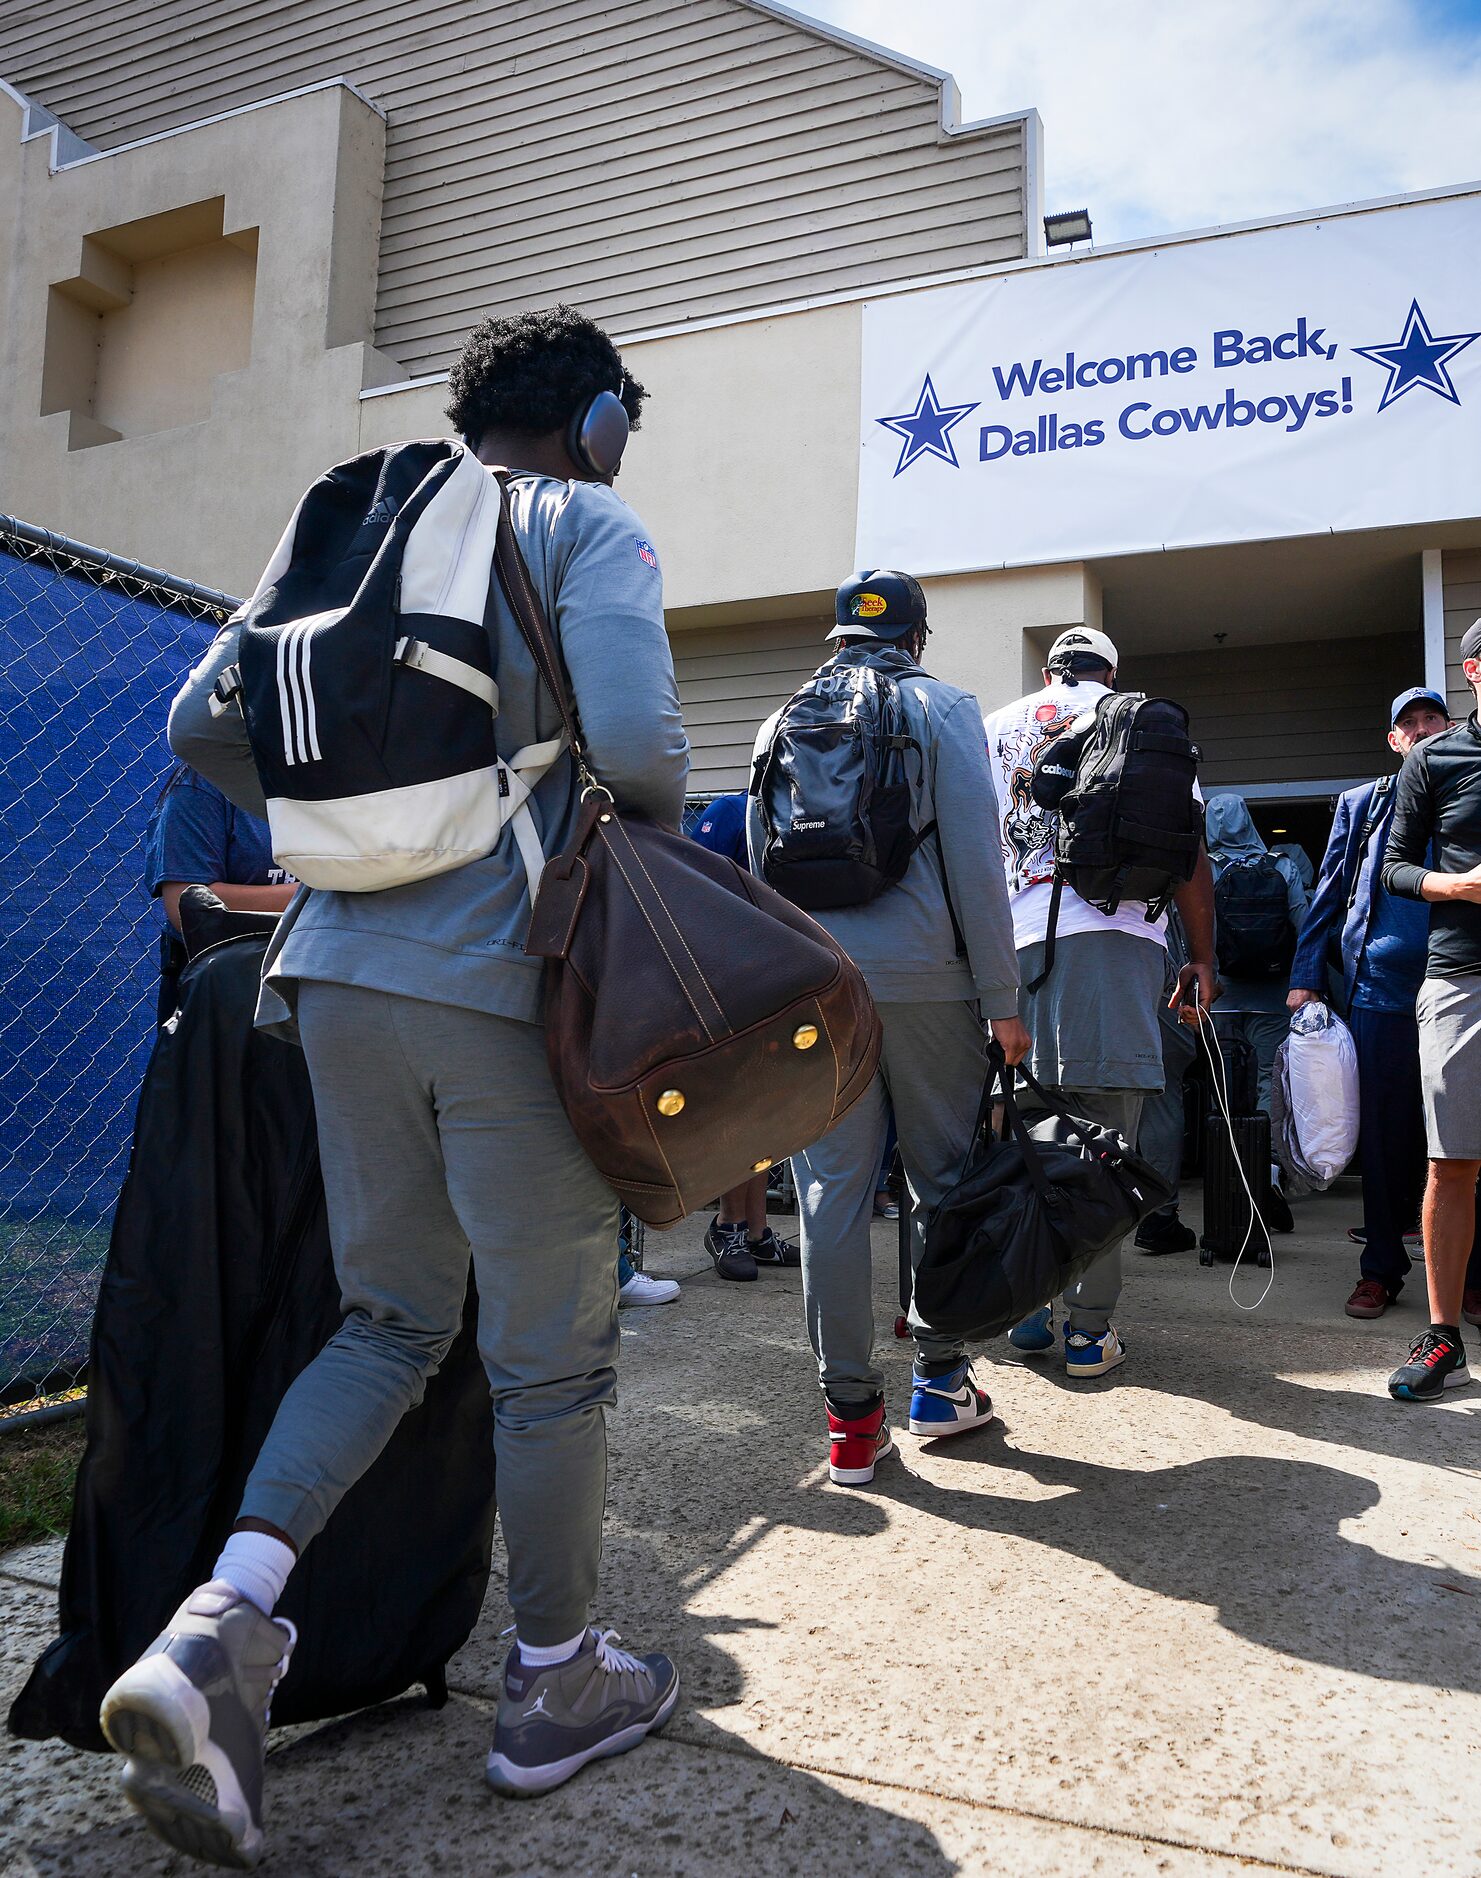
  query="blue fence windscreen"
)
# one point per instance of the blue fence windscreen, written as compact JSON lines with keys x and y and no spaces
{"x":87,"y":671}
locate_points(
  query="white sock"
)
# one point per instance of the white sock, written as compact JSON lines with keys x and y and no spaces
{"x":534,"y":1657}
{"x":257,"y":1566}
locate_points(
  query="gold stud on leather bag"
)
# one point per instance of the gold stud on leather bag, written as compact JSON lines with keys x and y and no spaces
{"x":805,"y":1036}
{"x":671,"y":1102}
{"x":760,"y":1167}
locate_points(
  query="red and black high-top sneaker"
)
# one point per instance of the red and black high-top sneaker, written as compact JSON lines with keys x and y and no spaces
{"x":856,"y":1442}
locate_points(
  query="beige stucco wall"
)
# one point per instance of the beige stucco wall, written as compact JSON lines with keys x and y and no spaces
{"x":205,"y":498}
{"x":744,"y":473}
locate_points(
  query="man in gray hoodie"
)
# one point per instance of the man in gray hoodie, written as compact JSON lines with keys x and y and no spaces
{"x":936,"y":949}
{"x":442,"y":1138}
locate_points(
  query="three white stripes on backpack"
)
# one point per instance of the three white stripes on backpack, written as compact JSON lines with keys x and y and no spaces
{"x":296,"y":693}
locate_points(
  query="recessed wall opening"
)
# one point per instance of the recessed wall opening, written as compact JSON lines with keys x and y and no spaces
{"x":159,"y":310}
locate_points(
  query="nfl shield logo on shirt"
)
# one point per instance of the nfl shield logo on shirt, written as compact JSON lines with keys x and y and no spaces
{"x":646,"y":552}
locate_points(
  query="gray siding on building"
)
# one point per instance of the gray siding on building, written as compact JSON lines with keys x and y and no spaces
{"x":1461,"y":575}
{"x":1311,"y":711}
{"x":652,"y":160}
{"x":731,"y":679}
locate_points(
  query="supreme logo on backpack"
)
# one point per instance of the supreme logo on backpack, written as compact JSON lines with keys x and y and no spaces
{"x":1252,"y":923}
{"x":364,"y":674}
{"x":837,"y":786}
{"x":1121,"y":779}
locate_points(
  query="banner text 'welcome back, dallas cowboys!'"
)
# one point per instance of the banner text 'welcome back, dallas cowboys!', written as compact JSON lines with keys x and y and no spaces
{"x":1321,"y":376}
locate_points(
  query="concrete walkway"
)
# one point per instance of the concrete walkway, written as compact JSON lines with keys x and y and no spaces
{"x":1220,"y":1612}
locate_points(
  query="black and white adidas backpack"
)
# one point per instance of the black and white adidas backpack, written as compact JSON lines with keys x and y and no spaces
{"x":364,"y":674}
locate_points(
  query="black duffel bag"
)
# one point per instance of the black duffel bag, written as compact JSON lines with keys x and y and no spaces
{"x":1034,"y":1208}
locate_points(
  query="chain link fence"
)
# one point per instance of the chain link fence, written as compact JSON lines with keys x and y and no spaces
{"x":92,"y":647}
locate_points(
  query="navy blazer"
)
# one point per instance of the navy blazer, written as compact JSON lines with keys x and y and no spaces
{"x":1345,"y":893}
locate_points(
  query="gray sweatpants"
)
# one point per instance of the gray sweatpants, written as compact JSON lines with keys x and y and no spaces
{"x":441,"y":1134}
{"x":932,"y":1069}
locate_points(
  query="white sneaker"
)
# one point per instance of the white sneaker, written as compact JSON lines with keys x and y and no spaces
{"x":641,"y":1289}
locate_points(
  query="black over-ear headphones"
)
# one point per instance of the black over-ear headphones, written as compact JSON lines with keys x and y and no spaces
{"x":597,"y":434}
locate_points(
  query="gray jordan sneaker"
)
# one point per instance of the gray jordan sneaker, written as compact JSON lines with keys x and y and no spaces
{"x":192,"y":1715}
{"x":553,"y":1721}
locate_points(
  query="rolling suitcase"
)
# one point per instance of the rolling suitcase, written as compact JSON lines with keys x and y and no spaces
{"x":1227,"y":1226}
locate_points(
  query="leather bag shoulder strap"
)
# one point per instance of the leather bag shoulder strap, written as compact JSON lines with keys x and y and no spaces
{"x":519,"y":590}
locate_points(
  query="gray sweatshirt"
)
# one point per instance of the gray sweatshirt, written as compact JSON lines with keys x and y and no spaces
{"x":903,"y":942}
{"x":459,"y":938}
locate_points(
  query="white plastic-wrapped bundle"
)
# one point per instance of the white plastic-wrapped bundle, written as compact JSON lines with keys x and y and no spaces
{"x":1314,"y":1096}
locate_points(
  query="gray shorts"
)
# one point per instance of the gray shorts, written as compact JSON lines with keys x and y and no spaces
{"x":1449,"y":1011}
{"x":1093,"y":1022}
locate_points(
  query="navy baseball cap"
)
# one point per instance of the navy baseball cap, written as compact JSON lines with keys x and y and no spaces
{"x":1470,"y":644}
{"x":878,"y":603}
{"x":1414,"y":695}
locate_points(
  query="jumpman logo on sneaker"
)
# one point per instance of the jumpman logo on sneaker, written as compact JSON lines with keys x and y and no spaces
{"x":539,"y":1707}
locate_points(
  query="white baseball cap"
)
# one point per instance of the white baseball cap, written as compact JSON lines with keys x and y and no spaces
{"x":1085,"y":640}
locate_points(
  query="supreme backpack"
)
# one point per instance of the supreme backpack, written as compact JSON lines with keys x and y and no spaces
{"x":1129,"y":824}
{"x":837,"y":786}
{"x":364,"y":674}
{"x":1255,"y":937}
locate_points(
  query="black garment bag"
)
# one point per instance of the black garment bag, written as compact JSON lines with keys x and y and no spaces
{"x":1034,"y":1208}
{"x":219,"y":1288}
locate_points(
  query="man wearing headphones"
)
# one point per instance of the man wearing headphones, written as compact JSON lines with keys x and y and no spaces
{"x":440,"y":1134}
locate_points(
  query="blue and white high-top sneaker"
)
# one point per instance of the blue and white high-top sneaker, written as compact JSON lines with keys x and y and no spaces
{"x":948,"y":1405}
{"x":1085,"y":1355}
{"x":1035,"y":1335}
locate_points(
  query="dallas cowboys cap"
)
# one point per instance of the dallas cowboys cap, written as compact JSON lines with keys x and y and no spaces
{"x":1414,"y":695}
{"x":878,"y":603}
{"x":1470,"y":645}
{"x":1085,"y":642}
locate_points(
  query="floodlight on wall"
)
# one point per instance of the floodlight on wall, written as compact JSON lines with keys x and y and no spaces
{"x":1062,"y":230}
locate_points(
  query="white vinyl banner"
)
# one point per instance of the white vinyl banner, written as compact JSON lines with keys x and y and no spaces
{"x":1288,"y":381}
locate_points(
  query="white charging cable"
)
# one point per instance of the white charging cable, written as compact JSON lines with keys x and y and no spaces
{"x":1221,"y":1096}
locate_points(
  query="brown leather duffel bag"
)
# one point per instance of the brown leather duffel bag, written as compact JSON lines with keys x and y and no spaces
{"x":700,"y":1027}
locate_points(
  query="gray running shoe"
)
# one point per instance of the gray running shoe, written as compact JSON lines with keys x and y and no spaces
{"x":192,"y":1715}
{"x":553,"y":1721}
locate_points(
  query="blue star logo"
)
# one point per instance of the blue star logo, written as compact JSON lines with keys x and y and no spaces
{"x":1419,"y":358}
{"x":927,"y":429}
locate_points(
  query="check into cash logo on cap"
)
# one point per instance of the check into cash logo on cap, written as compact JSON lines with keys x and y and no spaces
{"x":868,"y":605}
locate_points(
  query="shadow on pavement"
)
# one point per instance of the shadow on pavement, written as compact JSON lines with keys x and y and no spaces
{"x":399,"y":1789}
{"x":1257,"y":1539}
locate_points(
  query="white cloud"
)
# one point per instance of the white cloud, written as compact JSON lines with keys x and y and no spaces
{"x":1161,"y":116}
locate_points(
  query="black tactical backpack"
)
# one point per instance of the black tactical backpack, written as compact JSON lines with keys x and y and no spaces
{"x":1255,"y":937}
{"x":1129,"y":825}
{"x":838,"y":783}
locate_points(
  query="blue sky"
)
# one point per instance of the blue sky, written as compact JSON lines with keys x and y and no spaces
{"x":1159,"y":116}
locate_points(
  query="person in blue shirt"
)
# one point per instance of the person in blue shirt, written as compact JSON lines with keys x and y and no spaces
{"x":196,"y":837}
{"x":739,"y":1240}
{"x":1382,"y":940}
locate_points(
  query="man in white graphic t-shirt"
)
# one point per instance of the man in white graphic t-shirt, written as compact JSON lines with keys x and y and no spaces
{"x":1093,"y":1020}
